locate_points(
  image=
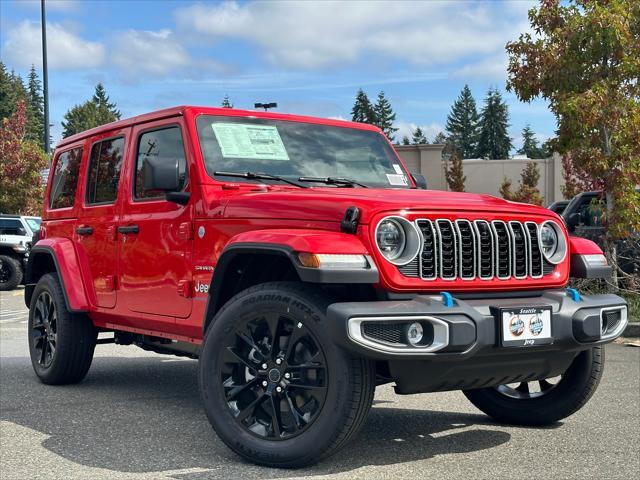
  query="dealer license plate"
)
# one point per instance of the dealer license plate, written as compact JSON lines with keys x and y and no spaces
{"x":526,"y":326}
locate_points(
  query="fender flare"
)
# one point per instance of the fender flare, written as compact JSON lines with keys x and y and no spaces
{"x":580,"y":249}
{"x":288,"y":243}
{"x":63,"y":255}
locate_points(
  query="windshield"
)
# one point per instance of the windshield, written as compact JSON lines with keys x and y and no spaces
{"x":34,"y":223}
{"x":293,"y":150}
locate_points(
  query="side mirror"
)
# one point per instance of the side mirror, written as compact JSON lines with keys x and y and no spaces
{"x":163,"y":174}
{"x":160,"y":174}
{"x":573,"y":221}
{"x":419,"y":180}
{"x":22,"y":231}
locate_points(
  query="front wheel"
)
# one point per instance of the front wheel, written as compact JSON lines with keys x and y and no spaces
{"x":546,"y":401}
{"x":276,"y":388}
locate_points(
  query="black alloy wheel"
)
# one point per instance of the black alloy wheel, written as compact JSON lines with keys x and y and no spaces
{"x":274,"y":376}
{"x":528,"y":390}
{"x":44,"y":329}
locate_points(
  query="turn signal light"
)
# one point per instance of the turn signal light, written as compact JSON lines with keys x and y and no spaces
{"x":332,"y":260}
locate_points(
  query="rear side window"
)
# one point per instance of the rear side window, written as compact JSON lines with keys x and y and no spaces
{"x":11,"y":227}
{"x":165,"y":144}
{"x":104,"y":171}
{"x":65,"y":179}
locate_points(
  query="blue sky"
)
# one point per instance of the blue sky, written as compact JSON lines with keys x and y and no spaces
{"x":310,"y":57}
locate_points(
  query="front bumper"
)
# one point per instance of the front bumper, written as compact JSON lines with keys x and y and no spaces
{"x":465,"y":349}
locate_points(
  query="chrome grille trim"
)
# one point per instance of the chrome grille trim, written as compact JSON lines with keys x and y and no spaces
{"x":477,"y":249}
{"x":499,"y":235}
{"x":451,"y":245}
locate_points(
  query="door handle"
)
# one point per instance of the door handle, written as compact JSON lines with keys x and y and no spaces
{"x":84,"y":230}
{"x":129,"y":229}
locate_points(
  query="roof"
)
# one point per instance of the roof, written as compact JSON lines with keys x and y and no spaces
{"x":199,"y":110}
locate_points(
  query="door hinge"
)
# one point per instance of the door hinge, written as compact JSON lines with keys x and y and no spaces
{"x":184,"y":288}
{"x":185,"y":231}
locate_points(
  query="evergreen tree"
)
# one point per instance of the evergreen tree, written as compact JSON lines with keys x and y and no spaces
{"x":462,"y":124}
{"x":385,"y":116}
{"x":528,"y":189}
{"x":12,"y":90}
{"x":418,"y":137}
{"x":93,"y":113}
{"x":494,"y":142}
{"x":406,"y":141}
{"x":35,"y":109}
{"x":440,"y":138}
{"x":363,"y":110}
{"x":530,"y":146}
{"x":454,"y":174}
{"x":226,"y":103}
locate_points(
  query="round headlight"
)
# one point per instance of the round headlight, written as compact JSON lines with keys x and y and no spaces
{"x":549,"y":240}
{"x":398,"y":240}
{"x":390,"y":238}
{"x":552,"y":242}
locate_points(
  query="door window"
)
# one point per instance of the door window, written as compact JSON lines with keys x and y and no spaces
{"x":11,"y":227}
{"x":164,"y":144}
{"x":65,"y":179}
{"x":104,"y":171}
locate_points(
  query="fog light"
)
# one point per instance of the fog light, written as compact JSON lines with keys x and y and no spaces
{"x":414,"y":333}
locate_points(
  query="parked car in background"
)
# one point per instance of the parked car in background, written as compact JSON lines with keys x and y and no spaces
{"x":558,"y":206}
{"x":302,"y":264}
{"x":583,"y":217}
{"x":16,"y":235}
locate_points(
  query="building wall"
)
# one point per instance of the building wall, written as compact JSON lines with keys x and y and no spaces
{"x":483,"y":176}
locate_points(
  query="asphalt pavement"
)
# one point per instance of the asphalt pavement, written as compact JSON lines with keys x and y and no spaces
{"x":138,"y":415}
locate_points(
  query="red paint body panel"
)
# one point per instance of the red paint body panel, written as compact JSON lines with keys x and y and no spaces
{"x":162,"y":273}
{"x":69,"y":270}
{"x":317,"y":241}
{"x":583,"y":246}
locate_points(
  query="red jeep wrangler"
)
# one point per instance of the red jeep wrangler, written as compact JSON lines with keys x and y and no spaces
{"x":303,"y":265}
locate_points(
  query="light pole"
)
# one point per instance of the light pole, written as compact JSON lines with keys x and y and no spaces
{"x":45,"y":78}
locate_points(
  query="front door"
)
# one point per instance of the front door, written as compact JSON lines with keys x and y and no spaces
{"x":95,"y":229}
{"x":155,"y":235}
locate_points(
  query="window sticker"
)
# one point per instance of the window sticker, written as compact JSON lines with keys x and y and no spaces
{"x":397,"y":180}
{"x":249,"y":141}
{"x":398,"y":169}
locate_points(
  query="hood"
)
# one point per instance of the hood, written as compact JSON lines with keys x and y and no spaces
{"x":329,"y":204}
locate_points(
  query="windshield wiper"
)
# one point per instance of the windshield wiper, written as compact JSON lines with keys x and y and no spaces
{"x":333,"y":181}
{"x":259,"y":176}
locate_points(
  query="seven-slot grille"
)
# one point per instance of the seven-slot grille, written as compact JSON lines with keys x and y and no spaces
{"x":477,"y":249}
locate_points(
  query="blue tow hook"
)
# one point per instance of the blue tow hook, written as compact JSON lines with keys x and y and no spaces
{"x":574,"y":294}
{"x":447,"y":299}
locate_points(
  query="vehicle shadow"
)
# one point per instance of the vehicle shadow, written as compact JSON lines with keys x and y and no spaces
{"x":144,"y":415}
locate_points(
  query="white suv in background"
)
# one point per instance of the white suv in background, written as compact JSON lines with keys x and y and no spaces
{"x":16,"y":236}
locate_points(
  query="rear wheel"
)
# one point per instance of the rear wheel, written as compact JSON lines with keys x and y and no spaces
{"x":10,"y":272}
{"x":543,"y":402}
{"x":276,"y":388}
{"x":61,"y":343}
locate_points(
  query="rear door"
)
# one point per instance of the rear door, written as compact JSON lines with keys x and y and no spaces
{"x":95,"y":232}
{"x":156,"y":235}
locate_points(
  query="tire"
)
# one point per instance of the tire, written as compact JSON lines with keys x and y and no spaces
{"x":570,"y":394}
{"x":52,"y":325}
{"x":313,"y":421}
{"x":10,"y":273}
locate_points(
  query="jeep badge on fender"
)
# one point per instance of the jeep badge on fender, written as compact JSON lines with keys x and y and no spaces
{"x":300,"y":262}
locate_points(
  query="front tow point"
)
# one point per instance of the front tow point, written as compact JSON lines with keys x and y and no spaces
{"x":447,"y":299}
{"x":574,"y":294}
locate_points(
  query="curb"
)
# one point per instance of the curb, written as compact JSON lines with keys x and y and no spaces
{"x":632,"y":330}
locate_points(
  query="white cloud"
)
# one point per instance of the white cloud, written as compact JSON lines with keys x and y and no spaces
{"x":141,"y":52}
{"x":23,"y":47}
{"x":407,"y":128}
{"x":493,"y":67}
{"x":316,"y":35}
